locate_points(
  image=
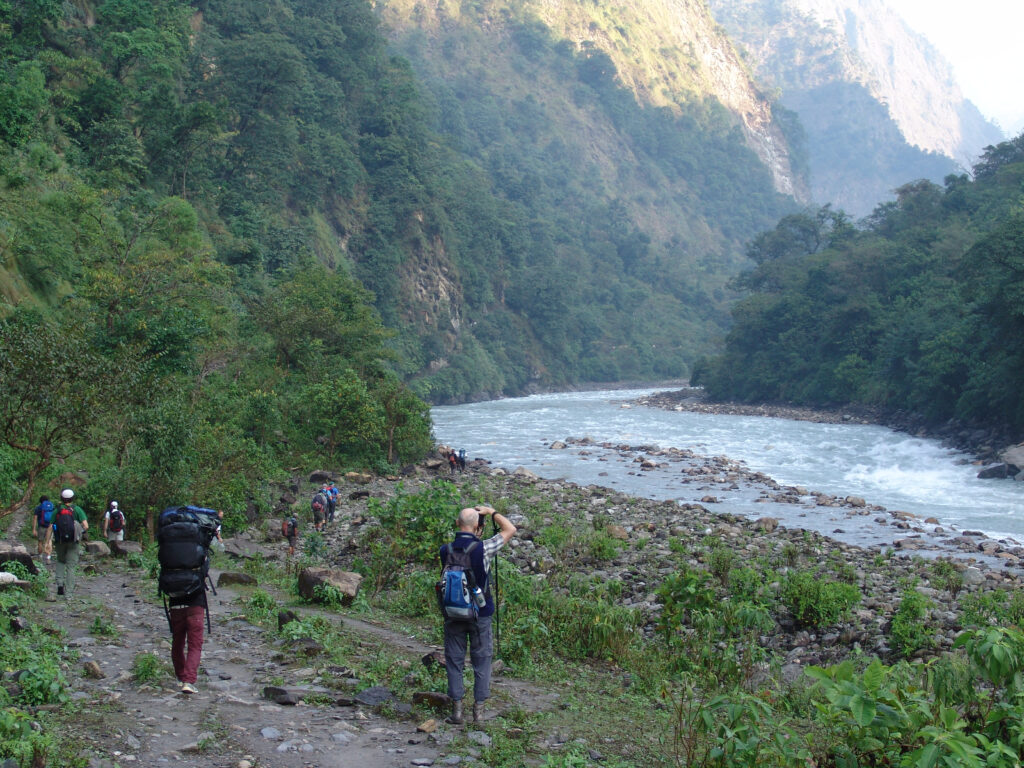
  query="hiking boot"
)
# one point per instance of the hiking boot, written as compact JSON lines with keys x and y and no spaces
{"x":188,"y":688}
{"x":456,"y":718}
{"x":60,"y":589}
{"x":478,"y":711}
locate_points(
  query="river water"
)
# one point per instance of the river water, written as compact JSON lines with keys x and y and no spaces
{"x":886,"y":468}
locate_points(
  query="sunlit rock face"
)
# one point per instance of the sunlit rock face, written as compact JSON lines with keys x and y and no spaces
{"x":847,"y":67}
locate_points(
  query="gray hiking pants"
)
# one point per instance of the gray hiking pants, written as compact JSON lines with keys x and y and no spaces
{"x":67,"y":564}
{"x":478,"y":632}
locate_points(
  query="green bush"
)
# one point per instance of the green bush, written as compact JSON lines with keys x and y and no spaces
{"x":966,"y":712}
{"x":910,"y":632}
{"x":720,"y":562}
{"x":681,"y":594}
{"x":948,"y":576}
{"x":414,"y":526}
{"x":20,"y":741}
{"x":816,"y":602}
{"x":998,"y":607}
{"x":149,"y":668}
{"x":42,"y":682}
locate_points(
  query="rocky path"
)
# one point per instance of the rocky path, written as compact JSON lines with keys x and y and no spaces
{"x":230,"y":723}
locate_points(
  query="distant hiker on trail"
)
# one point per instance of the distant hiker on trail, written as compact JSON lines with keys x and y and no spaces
{"x":184,"y":536}
{"x":290,"y":530}
{"x":332,"y":501}
{"x":319,"y":507}
{"x":69,"y":523}
{"x":113,"y":523}
{"x":452,"y":461}
{"x":467,"y":552}
{"x":42,"y":519}
{"x":462,"y":459}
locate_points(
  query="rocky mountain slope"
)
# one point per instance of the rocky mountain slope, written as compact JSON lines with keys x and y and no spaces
{"x":865,"y":86}
{"x":668,"y":52}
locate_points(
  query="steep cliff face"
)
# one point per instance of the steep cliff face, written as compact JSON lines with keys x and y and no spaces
{"x":880,"y":105}
{"x":666,"y":51}
{"x":904,"y":71}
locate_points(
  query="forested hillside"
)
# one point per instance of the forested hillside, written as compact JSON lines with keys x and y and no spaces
{"x":232,"y":229}
{"x":179,"y":315}
{"x":921,"y":308}
{"x":595,"y":239}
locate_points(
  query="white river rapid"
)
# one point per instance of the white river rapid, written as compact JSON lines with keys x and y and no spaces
{"x":886,"y":468}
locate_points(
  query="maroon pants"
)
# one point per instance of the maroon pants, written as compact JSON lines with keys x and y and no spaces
{"x":187,"y":630}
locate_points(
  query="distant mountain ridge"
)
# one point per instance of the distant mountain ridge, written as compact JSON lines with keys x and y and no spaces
{"x":829,"y":60}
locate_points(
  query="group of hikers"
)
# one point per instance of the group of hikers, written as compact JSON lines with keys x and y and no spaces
{"x":186,"y":533}
{"x":456,"y":459}
{"x":59,"y":529}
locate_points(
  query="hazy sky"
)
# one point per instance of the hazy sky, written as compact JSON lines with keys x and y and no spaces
{"x":982,"y":40}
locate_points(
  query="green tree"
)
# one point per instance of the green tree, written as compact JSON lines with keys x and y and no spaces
{"x":56,"y":392}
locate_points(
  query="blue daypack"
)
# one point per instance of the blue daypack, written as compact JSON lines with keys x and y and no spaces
{"x":455,"y":590}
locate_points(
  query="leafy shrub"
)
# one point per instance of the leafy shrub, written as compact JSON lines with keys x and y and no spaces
{"x":328,"y":595}
{"x":42,"y":682}
{"x":147,"y":667}
{"x":733,"y":728}
{"x":314,"y":546}
{"x":20,"y":741}
{"x":535,"y":618}
{"x":414,"y":526}
{"x":910,"y":632}
{"x":815,"y":602}
{"x":413,"y":595}
{"x":37,"y":581}
{"x":999,"y":607}
{"x":967,"y":713}
{"x":556,"y":538}
{"x":684,"y":592}
{"x":603,"y":547}
{"x":681,"y":594}
{"x":749,"y":585}
{"x":947,"y":576}
{"x":102,"y":627}
{"x":720,"y":562}
{"x":260,"y":607}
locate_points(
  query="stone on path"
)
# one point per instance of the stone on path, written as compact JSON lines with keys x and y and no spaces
{"x":346,"y":582}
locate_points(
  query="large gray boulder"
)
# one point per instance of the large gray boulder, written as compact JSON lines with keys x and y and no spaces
{"x":123,"y":548}
{"x":1014,"y":455}
{"x":97,"y":548}
{"x":346,"y":582}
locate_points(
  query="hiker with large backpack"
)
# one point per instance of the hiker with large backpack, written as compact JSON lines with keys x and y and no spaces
{"x":290,"y":530}
{"x":467,"y":604}
{"x":42,"y":519}
{"x":114,"y":523}
{"x":69,"y":523}
{"x":184,"y":535}
{"x":319,"y":507}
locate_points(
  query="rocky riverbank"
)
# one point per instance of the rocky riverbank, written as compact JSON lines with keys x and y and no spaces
{"x":656,"y":538}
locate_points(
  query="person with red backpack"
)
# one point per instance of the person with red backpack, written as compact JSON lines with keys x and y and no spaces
{"x":114,"y":523}
{"x":69,"y":523}
{"x":290,"y":530}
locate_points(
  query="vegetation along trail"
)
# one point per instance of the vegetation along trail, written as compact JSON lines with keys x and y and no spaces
{"x":622,"y":620}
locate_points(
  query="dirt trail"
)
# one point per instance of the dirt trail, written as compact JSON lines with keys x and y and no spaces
{"x":229,"y":722}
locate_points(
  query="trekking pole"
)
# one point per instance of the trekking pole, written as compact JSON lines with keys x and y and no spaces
{"x":497,"y":594}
